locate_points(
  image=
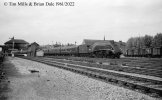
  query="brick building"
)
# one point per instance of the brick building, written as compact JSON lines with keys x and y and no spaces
{"x":15,"y":45}
{"x":32,"y":48}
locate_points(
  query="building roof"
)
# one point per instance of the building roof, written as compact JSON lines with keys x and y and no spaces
{"x":91,"y":42}
{"x":18,"y":41}
{"x":34,"y":43}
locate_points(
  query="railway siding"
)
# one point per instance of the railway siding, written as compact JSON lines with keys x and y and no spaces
{"x":118,"y":78}
{"x":116,"y":65}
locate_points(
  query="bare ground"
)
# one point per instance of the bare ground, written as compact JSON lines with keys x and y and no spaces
{"x":6,"y":70}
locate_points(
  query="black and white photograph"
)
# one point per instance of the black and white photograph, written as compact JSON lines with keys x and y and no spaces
{"x":80,"y":49}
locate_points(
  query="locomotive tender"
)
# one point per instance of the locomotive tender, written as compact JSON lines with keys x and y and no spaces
{"x":90,"y":48}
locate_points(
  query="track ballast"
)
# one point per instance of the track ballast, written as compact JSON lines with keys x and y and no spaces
{"x":149,"y":86}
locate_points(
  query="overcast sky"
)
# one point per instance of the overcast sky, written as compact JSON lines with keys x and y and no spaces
{"x":88,"y":19}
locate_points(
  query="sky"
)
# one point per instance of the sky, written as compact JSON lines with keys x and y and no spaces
{"x":88,"y":19}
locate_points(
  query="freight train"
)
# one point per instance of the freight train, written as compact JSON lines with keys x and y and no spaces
{"x":102,"y":48}
{"x":144,"y":52}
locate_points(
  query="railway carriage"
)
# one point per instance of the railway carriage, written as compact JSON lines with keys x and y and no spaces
{"x":84,"y":50}
{"x":69,"y":50}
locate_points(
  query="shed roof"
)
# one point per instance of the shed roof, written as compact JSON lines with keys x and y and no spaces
{"x":34,"y":43}
{"x":19,"y":41}
{"x":91,"y":42}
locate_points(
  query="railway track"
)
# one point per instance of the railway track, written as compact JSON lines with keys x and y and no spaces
{"x":138,"y":66}
{"x":150,"y":86}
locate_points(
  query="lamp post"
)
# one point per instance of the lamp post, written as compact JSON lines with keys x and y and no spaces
{"x":13,"y":43}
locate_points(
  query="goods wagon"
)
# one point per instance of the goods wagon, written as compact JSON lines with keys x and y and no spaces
{"x":145,"y":52}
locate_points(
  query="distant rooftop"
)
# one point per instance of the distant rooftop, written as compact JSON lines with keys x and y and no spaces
{"x":90,"y":41}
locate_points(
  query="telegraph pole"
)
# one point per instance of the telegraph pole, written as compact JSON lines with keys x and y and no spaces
{"x":13,"y":42}
{"x":60,"y":48}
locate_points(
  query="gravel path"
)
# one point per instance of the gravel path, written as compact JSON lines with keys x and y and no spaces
{"x":50,"y":83}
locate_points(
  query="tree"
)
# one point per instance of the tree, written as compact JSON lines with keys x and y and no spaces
{"x":157,"y":41}
{"x":147,"y":41}
{"x":130,"y":44}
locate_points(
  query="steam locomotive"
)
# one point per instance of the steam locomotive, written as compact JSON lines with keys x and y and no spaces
{"x":89,"y":48}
